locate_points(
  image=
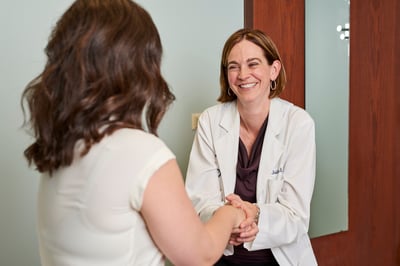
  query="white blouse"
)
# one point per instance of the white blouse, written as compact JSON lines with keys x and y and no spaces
{"x":88,"y":212}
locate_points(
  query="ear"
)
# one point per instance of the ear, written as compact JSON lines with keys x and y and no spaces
{"x":275,"y":69}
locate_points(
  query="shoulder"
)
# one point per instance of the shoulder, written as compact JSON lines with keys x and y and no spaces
{"x":136,"y":141}
{"x":220,"y":108}
{"x":128,"y":136}
{"x":286,"y":116}
{"x":287,"y":110}
{"x":218,"y":112}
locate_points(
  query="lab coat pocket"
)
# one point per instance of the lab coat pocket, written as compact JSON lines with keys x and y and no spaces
{"x":274,"y":186}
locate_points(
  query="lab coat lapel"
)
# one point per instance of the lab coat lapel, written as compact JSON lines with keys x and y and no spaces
{"x":226,"y":147}
{"x":272,"y":150}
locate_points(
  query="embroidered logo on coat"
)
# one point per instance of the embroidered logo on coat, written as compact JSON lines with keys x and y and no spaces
{"x":277,"y":171}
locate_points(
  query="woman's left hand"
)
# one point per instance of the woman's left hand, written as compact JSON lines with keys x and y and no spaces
{"x":246,"y":234}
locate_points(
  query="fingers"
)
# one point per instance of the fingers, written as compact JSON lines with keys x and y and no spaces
{"x":236,"y":203}
{"x":236,"y":231}
{"x":244,"y":239}
{"x":232,"y":196}
{"x":250,"y":231}
{"x":234,"y":200}
{"x":247,"y":234}
{"x":234,"y":236}
{"x":234,"y":242}
{"x":247,"y":222}
{"x":251,"y":210}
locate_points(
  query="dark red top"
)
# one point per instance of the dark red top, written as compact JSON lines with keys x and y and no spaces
{"x":246,"y":185}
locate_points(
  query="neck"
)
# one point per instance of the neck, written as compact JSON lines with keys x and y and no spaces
{"x":252,"y":117}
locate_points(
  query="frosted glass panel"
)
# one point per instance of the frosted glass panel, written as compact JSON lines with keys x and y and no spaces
{"x":327,"y":100}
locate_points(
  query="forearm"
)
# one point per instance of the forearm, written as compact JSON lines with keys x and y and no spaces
{"x":219,"y":229}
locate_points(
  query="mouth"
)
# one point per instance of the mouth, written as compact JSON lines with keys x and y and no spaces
{"x":248,"y":85}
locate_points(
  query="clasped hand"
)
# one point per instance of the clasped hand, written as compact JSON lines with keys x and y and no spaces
{"x":248,"y":229}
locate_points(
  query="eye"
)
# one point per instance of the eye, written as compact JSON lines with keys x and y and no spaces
{"x":233,"y":67}
{"x":253,"y":64}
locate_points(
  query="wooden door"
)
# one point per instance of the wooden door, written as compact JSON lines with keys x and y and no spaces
{"x":373,"y":237}
{"x":280,"y":20}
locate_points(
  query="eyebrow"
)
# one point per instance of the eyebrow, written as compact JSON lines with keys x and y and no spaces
{"x":248,"y":60}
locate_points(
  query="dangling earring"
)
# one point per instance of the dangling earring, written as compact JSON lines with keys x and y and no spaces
{"x":272,"y":86}
{"x":229,"y":92}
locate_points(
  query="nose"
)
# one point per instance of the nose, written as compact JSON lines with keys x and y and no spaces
{"x":243,"y":73}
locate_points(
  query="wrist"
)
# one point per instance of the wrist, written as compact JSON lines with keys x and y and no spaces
{"x":257,"y":216}
{"x":239,"y":213}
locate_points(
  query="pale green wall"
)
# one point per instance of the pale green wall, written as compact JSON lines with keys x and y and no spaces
{"x":193,"y":33}
{"x":327,"y":100}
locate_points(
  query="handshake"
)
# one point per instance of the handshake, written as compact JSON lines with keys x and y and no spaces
{"x":247,"y":229}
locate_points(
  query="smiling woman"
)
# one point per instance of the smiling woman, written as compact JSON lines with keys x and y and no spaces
{"x":262,"y":149}
{"x":249,"y":74}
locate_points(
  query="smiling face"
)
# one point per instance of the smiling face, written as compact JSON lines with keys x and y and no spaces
{"x":249,"y":73}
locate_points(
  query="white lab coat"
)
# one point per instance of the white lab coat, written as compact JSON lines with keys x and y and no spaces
{"x":285,"y":179}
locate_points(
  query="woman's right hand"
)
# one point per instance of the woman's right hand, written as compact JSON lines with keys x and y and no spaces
{"x":239,"y":216}
{"x":250,"y":209}
{"x":248,"y":229}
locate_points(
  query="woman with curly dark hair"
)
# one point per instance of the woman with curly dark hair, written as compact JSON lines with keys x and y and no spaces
{"x":111,"y":192}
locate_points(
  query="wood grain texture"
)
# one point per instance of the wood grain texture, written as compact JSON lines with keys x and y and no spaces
{"x":373,"y":237}
{"x":283,"y":21}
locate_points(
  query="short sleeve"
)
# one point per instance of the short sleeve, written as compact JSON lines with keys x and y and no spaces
{"x":155,"y":161}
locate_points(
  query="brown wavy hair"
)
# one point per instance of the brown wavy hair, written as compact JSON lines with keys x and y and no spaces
{"x":271,"y":53}
{"x":102,"y":74}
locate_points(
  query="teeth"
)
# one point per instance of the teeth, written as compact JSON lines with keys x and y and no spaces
{"x":246,"y":86}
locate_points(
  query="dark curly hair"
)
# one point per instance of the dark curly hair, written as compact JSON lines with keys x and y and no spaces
{"x":271,"y":53}
{"x":102,"y":74}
